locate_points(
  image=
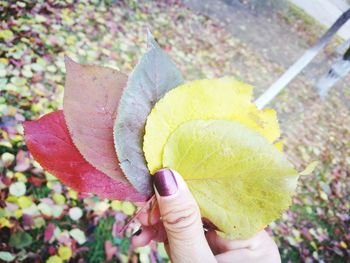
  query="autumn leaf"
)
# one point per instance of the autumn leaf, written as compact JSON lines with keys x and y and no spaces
{"x":152,"y":77}
{"x":20,"y":240}
{"x":223,"y":98}
{"x":240,"y":181}
{"x":7,"y":256}
{"x":50,"y":144}
{"x":91,"y":98}
{"x":217,"y":139}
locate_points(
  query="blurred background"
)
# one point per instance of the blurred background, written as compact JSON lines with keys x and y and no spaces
{"x":254,"y":40}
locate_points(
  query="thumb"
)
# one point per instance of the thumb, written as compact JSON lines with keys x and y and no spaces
{"x":181,"y":218}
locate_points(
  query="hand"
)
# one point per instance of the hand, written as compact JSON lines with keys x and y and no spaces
{"x":181,"y":229}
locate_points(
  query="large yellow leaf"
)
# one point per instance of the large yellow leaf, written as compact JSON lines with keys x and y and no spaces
{"x":225,"y":99}
{"x":239,"y":179}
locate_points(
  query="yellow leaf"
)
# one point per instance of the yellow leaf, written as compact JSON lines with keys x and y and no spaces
{"x":220,"y":99}
{"x":6,"y":34}
{"x":5,"y":223}
{"x":116,"y":205}
{"x":4,"y":61}
{"x":240,"y":181}
{"x":12,"y":199}
{"x":65,"y":252}
{"x":279,"y":145}
{"x":59,"y":199}
{"x":71,"y":40}
{"x":309,"y":168}
{"x":18,"y":213}
{"x":54,"y":259}
{"x":21,"y":177}
{"x":73,"y":194}
{"x":24,"y":201}
{"x":323,"y":196}
{"x":343,"y":245}
{"x":6,"y":144}
{"x":49,"y":184}
{"x":128,"y":208}
{"x":4,"y":212}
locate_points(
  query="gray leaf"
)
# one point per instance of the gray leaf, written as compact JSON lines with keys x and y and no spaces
{"x":152,"y":77}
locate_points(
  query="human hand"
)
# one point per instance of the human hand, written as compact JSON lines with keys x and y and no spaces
{"x":176,"y":221}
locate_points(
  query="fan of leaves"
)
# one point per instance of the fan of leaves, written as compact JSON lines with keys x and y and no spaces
{"x":209,"y":130}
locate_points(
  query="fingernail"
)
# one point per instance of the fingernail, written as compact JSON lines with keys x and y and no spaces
{"x":137,"y":233}
{"x":164,"y":181}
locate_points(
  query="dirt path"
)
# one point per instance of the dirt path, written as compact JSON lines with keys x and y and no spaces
{"x":255,"y":30}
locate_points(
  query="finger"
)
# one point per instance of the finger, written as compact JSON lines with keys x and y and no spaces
{"x":149,"y":217}
{"x":144,"y":237}
{"x":181,"y":218}
{"x":215,"y":243}
{"x":221,"y":245}
{"x":238,"y":256}
{"x":262,"y":255}
{"x":160,"y":236}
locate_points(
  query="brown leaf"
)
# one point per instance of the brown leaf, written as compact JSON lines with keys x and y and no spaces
{"x":91,"y":98}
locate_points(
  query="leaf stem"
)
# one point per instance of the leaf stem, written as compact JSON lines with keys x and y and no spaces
{"x":153,"y":197}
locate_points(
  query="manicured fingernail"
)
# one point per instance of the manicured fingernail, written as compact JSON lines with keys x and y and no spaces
{"x":137,"y":233}
{"x":164,"y":181}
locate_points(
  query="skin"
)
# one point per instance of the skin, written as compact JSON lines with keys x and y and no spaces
{"x":176,"y":221}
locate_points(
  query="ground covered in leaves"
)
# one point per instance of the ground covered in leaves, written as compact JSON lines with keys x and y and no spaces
{"x":41,"y":220}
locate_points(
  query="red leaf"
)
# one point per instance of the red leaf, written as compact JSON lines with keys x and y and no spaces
{"x":49,"y":142}
{"x":36,"y":181}
{"x":91,"y":98}
{"x":52,"y":250}
{"x":49,"y":232}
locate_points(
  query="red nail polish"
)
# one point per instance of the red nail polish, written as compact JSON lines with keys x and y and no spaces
{"x":164,"y":181}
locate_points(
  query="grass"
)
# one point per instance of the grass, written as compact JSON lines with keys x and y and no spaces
{"x":307,"y":25}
